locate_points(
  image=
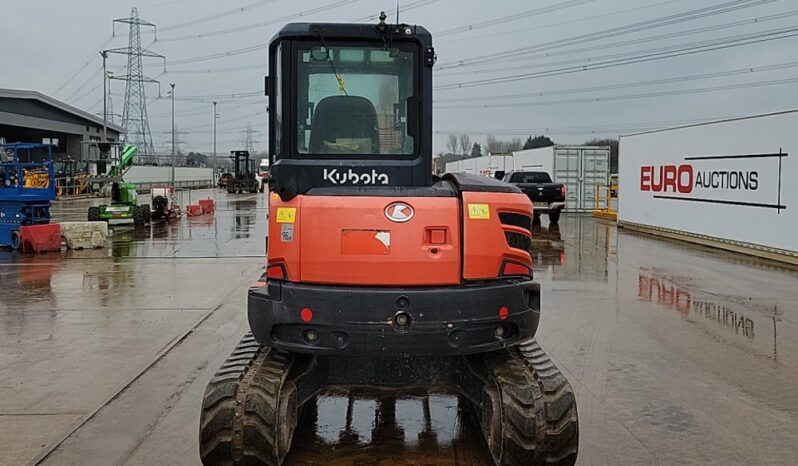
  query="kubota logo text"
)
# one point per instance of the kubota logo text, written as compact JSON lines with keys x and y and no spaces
{"x":352,"y":177}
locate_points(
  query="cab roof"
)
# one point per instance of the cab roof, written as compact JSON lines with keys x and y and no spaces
{"x":355,"y":31}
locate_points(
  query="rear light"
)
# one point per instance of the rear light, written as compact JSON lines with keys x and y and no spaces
{"x":503,"y":313}
{"x":515,"y":268}
{"x":563,"y":191}
{"x":306,"y":314}
{"x":276,"y":272}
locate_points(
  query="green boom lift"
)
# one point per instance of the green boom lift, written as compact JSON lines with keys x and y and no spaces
{"x":124,"y":198}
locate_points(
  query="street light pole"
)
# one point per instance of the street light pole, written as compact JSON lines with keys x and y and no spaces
{"x":104,"y":54}
{"x":215,"y":116}
{"x":172,"y":85}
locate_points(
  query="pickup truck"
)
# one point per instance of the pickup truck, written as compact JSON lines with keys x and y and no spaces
{"x":547,"y":197}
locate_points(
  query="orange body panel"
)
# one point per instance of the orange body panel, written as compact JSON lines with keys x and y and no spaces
{"x":484,"y":243}
{"x":280,"y":250}
{"x":348,"y":240}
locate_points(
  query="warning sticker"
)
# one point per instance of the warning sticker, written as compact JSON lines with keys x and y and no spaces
{"x":286,"y":214}
{"x":479,"y":211}
{"x":287,"y":233}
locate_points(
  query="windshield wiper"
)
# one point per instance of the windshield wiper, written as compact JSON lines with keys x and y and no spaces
{"x":338,"y":77}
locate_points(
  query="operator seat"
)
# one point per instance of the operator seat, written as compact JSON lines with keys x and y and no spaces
{"x":344,"y":124}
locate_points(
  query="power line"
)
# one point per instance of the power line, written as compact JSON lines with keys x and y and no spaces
{"x":625,"y":85}
{"x":586,"y":100}
{"x":161,"y":4}
{"x":631,"y":42}
{"x":613,"y":32}
{"x":259,"y":24}
{"x":257,"y":66}
{"x":594,"y":129}
{"x":84,"y":66}
{"x":98,"y":71}
{"x":216,"y":16}
{"x":213,"y":56}
{"x":763,"y":37}
{"x":203,"y":111}
{"x":513,"y":17}
{"x":226,"y":120}
{"x":262,"y":46}
{"x":405,"y":7}
{"x":203,"y":98}
{"x":550,"y":25}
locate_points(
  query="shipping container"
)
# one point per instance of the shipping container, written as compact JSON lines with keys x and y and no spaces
{"x":486,"y":165}
{"x":579,"y":168}
{"x":728,"y":184}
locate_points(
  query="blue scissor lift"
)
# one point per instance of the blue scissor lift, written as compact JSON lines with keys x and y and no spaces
{"x":21,"y":205}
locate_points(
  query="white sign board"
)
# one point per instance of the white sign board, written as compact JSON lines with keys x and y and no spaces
{"x":485,"y":165}
{"x":540,"y":159}
{"x":734,"y":180}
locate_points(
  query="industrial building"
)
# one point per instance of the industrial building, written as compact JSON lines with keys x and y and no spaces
{"x":29,"y":116}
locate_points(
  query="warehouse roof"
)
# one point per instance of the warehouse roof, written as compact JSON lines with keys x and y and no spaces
{"x":37,"y":96}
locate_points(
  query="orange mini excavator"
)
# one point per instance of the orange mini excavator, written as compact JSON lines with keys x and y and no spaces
{"x":380,"y":274}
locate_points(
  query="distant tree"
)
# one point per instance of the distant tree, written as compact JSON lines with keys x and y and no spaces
{"x":514,"y":144}
{"x":613,"y":143}
{"x":452,"y":143}
{"x":537,"y":141}
{"x":476,"y":150}
{"x":195,"y":159}
{"x":493,"y":144}
{"x":465,"y":144}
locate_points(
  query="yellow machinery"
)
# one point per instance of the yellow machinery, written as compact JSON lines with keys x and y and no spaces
{"x":70,"y":178}
{"x":607,"y":200}
{"x":37,"y":178}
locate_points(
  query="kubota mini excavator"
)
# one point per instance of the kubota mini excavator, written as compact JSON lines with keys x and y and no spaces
{"x":380,"y":274}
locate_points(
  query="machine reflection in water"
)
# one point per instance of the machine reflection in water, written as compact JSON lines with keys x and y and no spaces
{"x":376,"y":428}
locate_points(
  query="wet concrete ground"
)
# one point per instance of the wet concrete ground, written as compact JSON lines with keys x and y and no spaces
{"x":678,"y":354}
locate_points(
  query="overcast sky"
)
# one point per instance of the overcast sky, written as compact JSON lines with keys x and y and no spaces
{"x":43,"y":43}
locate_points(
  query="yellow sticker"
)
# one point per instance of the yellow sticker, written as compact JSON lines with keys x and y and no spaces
{"x":479,"y":211}
{"x":286,"y":214}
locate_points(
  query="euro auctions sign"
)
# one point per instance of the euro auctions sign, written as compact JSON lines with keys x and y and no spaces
{"x":734,"y":180}
{"x":752,"y":180}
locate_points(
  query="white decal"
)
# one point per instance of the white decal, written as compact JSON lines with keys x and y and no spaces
{"x":384,"y":237}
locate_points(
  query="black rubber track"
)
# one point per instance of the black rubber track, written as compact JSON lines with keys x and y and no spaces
{"x":139,"y":216}
{"x":94,"y":214}
{"x":539,"y":420}
{"x":147,"y":213}
{"x":248,"y":411}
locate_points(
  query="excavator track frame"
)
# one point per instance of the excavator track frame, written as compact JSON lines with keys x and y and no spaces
{"x":526,"y":407}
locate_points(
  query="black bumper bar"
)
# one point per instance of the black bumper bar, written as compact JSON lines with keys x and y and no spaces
{"x":452,"y":320}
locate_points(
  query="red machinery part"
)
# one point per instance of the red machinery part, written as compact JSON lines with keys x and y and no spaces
{"x":40,"y":238}
{"x":207,"y":205}
{"x":195,"y":210}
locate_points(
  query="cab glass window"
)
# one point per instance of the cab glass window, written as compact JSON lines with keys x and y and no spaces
{"x":353,"y":99}
{"x":277,"y":101}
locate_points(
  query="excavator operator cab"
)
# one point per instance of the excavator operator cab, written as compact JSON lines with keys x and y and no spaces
{"x":350,"y":105}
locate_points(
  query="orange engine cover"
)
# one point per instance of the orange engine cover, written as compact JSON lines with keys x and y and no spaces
{"x":485,"y":233}
{"x":370,"y":241}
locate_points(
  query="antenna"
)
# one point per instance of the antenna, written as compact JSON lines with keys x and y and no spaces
{"x":397,"y":12}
